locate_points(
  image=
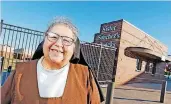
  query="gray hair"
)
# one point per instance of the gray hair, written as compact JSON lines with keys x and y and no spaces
{"x":64,"y":21}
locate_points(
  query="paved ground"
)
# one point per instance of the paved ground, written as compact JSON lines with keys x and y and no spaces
{"x":131,"y":95}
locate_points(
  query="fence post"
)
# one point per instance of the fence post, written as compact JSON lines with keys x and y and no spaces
{"x":1,"y":27}
{"x":1,"y":63}
{"x":99,"y":61}
{"x":163,"y":90}
{"x":110,"y":88}
{"x":110,"y":93}
{"x":0,"y":36}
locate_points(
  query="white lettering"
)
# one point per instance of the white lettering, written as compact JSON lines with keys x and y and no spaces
{"x":108,"y":28}
{"x":110,"y":44}
{"x":109,"y":36}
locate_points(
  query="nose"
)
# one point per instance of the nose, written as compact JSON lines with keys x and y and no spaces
{"x":59,"y":42}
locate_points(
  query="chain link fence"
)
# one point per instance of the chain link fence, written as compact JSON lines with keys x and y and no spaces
{"x":100,"y":59}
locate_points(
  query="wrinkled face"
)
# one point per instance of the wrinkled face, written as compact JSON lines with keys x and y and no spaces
{"x":57,"y":52}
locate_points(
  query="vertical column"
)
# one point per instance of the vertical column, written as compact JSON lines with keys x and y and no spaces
{"x":110,"y":88}
{"x":1,"y":37}
{"x":163,"y":90}
{"x":138,"y":64}
{"x":1,"y":62}
{"x":1,"y":27}
{"x":154,"y":68}
{"x":109,"y":95}
{"x":147,"y":66}
{"x":99,"y":61}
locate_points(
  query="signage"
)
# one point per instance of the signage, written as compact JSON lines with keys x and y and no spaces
{"x":111,"y":26}
{"x":110,"y":44}
{"x":109,"y":36}
{"x":107,"y":28}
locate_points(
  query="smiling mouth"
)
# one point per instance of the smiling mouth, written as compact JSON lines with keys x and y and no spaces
{"x":57,"y":50}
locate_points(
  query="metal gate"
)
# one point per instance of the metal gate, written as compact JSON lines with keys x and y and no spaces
{"x":17,"y":44}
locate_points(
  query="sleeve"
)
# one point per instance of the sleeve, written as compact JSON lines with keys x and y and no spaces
{"x":7,"y":90}
{"x":93,"y":93}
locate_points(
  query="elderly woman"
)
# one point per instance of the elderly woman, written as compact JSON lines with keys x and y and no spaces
{"x":52,"y":79}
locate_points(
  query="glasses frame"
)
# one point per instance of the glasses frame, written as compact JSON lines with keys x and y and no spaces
{"x":73,"y":41}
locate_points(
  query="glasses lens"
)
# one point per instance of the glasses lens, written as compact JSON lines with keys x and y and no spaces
{"x":67,"y":41}
{"x":54,"y":37}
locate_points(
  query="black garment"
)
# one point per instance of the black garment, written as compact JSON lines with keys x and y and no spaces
{"x":76,"y":58}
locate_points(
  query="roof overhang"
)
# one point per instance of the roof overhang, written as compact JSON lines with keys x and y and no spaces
{"x":144,"y":54}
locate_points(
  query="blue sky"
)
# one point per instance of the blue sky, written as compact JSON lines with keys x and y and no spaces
{"x":152,"y":17}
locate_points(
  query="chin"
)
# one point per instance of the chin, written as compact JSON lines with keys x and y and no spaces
{"x":56,"y":60}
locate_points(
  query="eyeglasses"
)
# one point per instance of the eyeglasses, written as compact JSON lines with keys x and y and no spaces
{"x":53,"y":37}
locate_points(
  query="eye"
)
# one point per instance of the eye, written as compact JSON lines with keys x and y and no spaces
{"x":51,"y":34}
{"x":54,"y":37}
{"x":66,"y":40}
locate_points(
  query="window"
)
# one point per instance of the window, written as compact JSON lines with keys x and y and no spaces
{"x":154,"y":68}
{"x":18,"y":56}
{"x":138,"y":64}
{"x":147,"y":67}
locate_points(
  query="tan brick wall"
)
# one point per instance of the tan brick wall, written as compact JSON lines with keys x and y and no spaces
{"x":140,"y":39}
{"x":134,"y":37}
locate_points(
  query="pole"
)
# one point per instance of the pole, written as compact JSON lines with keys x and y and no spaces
{"x":0,"y":36}
{"x":1,"y":27}
{"x":163,"y":90}
{"x":110,"y":88}
{"x":1,"y":63}
{"x":110,"y":93}
{"x":99,"y":62}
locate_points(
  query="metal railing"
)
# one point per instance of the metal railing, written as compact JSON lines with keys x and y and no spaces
{"x":17,"y":44}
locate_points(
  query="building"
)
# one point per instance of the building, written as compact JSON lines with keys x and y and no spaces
{"x":6,"y":51}
{"x":137,"y":52}
{"x":11,"y":56}
{"x":133,"y":53}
